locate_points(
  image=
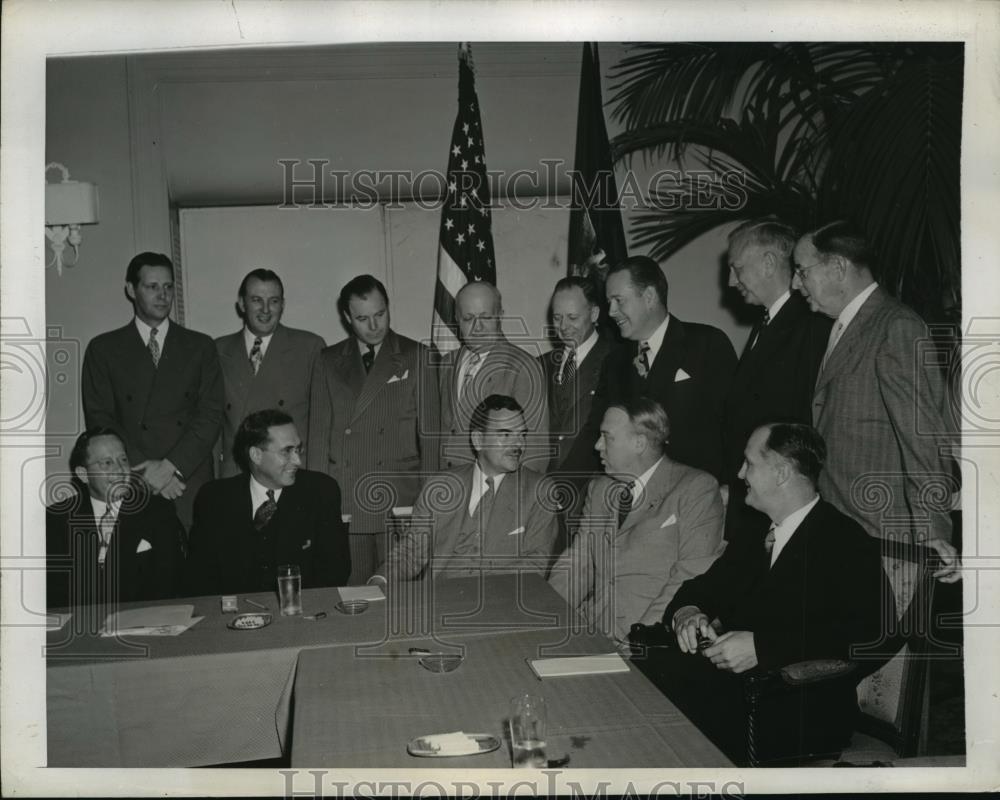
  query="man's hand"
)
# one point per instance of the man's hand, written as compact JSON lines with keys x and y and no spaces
{"x":687,"y":622}
{"x":951,"y":571}
{"x":733,"y":651}
{"x":159,"y":474}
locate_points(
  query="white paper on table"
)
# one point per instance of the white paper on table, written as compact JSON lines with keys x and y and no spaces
{"x":457,"y":743}
{"x":578,"y":665}
{"x":151,"y":621}
{"x":55,"y":622}
{"x":369,"y":593}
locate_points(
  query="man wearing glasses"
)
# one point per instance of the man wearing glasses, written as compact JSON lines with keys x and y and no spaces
{"x":488,"y":516}
{"x":112,"y":540}
{"x":273,"y":513}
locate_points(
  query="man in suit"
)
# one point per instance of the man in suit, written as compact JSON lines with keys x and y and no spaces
{"x":572,"y":372}
{"x":480,"y":517}
{"x":111,"y":541}
{"x":777,"y":371}
{"x":159,"y":385}
{"x":810,"y":588}
{"x":686,"y":367}
{"x":273,"y":513}
{"x":878,"y":404}
{"x":486,"y":364}
{"x":374,"y":407}
{"x":648,"y":525}
{"x":264,"y":365}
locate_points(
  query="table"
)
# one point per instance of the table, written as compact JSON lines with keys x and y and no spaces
{"x":214,"y":695}
{"x":348,"y":717}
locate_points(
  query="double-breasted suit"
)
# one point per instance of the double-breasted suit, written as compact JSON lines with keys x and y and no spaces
{"x":283,"y":381}
{"x":172,"y":410}
{"x":619,"y":576}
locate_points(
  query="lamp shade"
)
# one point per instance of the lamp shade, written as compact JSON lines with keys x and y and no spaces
{"x":71,"y":203}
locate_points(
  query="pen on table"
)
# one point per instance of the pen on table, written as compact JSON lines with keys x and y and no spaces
{"x":254,"y":603}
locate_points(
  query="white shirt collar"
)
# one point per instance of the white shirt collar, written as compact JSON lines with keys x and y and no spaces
{"x":783,"y":530}
{"x":161,"y":331}
{"x":258,"y":495}
{"x":479,"y":486}
{"x":100,"y":506}
{"x":776,"y":306}
{"x":580,"y":353}
{"x":851,"y":309}
{"x":248,"y":339}
{"x":655,"y":341}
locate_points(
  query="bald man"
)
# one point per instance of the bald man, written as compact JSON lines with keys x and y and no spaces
{"x":484,"y":365}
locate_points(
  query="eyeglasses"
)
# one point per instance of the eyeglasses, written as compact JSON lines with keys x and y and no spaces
{"x":801,"y":271}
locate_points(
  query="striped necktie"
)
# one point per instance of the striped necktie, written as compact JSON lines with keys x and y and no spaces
{"x":154,"y":346}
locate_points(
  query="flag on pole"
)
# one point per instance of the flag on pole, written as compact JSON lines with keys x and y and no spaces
{"x":596,"y":233}
{"x":465,"y":251}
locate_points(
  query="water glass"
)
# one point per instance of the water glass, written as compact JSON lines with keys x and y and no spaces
{"x":289,"y":589}
{"x":527,"y":731}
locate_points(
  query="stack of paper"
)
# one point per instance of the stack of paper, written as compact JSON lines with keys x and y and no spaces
{"x":152,"y":621}
{"x":369,"y":593}
{"x":578,"y":665}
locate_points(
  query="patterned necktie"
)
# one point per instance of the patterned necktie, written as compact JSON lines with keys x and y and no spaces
{"x":106,"y":529}
{"x":256,"y":355}
{"x":368,"y":357}
{"x":265,"y":512}
{"x":769,"y":545}
{"x":568,"y":368}
{"x":625,"y":502}
{"x":470,"y":371}
{"x":763,"y":324}
{"x":642,"y":360}
{"x":154,"y":346}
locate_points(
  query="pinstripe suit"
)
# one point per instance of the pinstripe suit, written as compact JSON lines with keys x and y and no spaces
{"x":877,"y":404}
{"x":282,"y":382}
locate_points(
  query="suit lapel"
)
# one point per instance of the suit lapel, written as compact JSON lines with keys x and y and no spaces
{"x":172,"y":356}
{"x":270,"y":367}
{"x":652,"y":497}
{"x":350,"y":371}
{"x":850,"y":338}
{"x":387,"y":363}
{"x":668,"y":360}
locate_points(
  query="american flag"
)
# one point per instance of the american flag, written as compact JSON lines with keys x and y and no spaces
{"x":466,"y":242}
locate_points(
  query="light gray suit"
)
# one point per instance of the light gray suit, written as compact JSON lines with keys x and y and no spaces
{"x":282,"y":382}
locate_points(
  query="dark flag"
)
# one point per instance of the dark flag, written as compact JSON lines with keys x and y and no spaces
{"x":466,"y":242}
{"x":596,"y":234}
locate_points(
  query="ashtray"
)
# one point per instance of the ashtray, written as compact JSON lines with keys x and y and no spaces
{"x":250,"y":622}
{"x":441,"y":662}
{"x":352,"y":606}
{"x":431,"y":746}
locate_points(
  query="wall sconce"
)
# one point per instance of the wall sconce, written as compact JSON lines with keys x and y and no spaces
{"x":68,"y":205}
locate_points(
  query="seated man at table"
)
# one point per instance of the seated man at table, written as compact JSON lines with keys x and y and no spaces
{"x":648,"y":525}
{"x":486,"y":516}
{"x":112,"y":540}
{"x":809,"y":588}
{"x":273,"y":513}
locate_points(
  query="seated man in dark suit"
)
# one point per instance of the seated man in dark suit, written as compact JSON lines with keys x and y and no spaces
{"x":812,"y":587}
{"x":273,"y":513}
{"x":113,"y":540}
{"x":482,"y":517}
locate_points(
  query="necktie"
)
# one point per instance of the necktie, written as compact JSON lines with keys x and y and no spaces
{"x":486,"y":500}
{"x":154,"y":346}
{"x":769,"y":545}
{"x":470,"y":371}
{"x":763,"y":324}
{"x":642,"y":360}
{"x":368,"y":357}
{"x":106,"y":528}
{"x":265,"y":512}
{"x":625,"y":501}
{"x":256,"y":355}
{"x":831,"y":343}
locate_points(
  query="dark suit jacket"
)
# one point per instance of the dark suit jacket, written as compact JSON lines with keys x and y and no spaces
{"x":879,"y":404}
{"x":369,"y":430}
{"x":72,"y":542}
{"x":694,"y":404}
{"x":569,"y":409}
{"x":170,"y":411}
{"x":507,"y":370}
{"x":774,"y":380}
{"x":282,"y":382}
{"x":826,"y":591}
{"x":228,"y":556}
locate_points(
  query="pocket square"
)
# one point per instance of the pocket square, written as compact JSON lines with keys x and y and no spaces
{"x":671,"y":520}
{"x":143,"y":546}
{"x":308,"y":544}
{"x":396,"y":378}
{"x":681,"y":375}
{"x":516,"y":531}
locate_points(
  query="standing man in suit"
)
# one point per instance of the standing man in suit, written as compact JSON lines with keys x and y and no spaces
{"x":273,"y":513}
{"x":810,"y":588}
{"x":777,"y":371}
{"x":878,"y":405}
{"x":159,"y":385}
{"x":373,"y":412}
{"x":265,"y":365}
{"x":111,"y":541}
{"x":684,"y":366}
{"x":648,"y":525}
{"x":572,"y":372}
{"x":483,"y":517}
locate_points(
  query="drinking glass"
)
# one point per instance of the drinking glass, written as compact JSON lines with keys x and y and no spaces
{"x":527,"y":731}
{"x":289,"y":589}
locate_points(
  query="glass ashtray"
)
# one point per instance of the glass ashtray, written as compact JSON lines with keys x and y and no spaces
{"x":441,"y":662}
{"x":352,"y":606}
